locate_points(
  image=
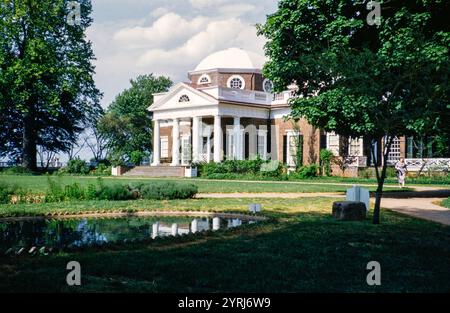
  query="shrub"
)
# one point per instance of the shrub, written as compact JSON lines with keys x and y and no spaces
{"x":90,"y":192}
{"x":446,"y":203}
{"x":325,"y":160}
{"x":77,"y":166}
{"x":367,"y":173}
{"x":115,"y":193}
{"x":391,"y":172}
{"x":101,"y":170}
{"x":168,"y":191}
{"x":18,"y":170}
{"x":58,"y":193}
{"x":15,"y":194}
{"x":74,"y":192}
{"x":304,"y":172}
{"x":136,"y":157}
{"x":246,"y":168}
{"x":55,"y":192}
{"x":6,"y":192}
{"x":274,"y":169}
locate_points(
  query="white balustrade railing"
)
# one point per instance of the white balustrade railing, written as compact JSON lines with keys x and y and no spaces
{"x":257,"y":97}
{"x":357,"y":161}
{"x":281,"y":98}
{"x":245,"y":96}
{"x":431,"y":164}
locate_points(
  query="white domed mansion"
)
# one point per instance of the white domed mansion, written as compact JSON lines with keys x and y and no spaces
{"x":227,"y":111}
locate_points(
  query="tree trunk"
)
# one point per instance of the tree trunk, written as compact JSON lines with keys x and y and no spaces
{"x":380,"y":179}
{"x":29,"y":149}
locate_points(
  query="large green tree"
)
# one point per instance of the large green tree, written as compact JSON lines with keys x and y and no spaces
{"x":362,"y":80}
{"x":47,"y":93}
{"x":127,"y":125}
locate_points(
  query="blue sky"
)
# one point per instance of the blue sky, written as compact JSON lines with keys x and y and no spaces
{"x":133,"y":37}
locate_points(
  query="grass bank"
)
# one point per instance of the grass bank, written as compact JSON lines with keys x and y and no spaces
{"x":302,"y":250}
{"x":39,"y":184}
{"x":446,"y":203}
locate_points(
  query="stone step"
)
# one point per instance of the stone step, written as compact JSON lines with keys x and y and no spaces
{"x":157,"y":171}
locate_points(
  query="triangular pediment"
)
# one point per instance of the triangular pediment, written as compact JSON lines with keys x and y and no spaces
{"x":182,"y":96}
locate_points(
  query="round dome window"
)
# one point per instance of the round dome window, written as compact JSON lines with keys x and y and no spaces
{"x":236,"y":82}
{"x":268,"y":86}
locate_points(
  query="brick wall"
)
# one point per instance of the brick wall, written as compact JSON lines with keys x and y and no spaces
{"x":311,"y":140}
{"x":253,"y":81}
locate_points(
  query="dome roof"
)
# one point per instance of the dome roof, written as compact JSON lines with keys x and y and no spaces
{"x":233,"y":58}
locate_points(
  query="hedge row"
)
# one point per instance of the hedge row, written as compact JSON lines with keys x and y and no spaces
{"x":253,"y":169}
{"x":57,"y":192}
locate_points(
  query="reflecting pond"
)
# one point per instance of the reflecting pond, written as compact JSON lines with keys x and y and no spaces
{"x":71,"y":233}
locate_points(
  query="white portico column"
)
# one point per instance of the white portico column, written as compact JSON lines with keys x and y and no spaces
{"x":218,"y":139}
{"x":156,"y":144}
{"x":195,"y":138}
{"x":176,"y":142}
{"x":237,"y":153}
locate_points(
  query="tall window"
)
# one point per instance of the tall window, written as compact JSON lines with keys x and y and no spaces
{"x":186,"y":149}
{"x":230,"y":144}
{"x":164,"y":147}
{"x":294,"y":140}
{"x":333,"y":143}
{"x":262,"y":144}
{"x":395,"y":153}
{"x":356,"y":147}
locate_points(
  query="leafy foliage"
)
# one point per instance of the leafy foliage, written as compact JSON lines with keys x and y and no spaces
{"x":168,"y":190}
{"x":77,"y":166}
{"x":117,"y":192}
{"x":326,"y":156}
{"x":47,"y":91}
{"x":305,"y":172}
{"x":17,"y":170}
{"x":127,"y":125}
{"x":360,"y":80}
{"x":446,"y":203}
{"x":6,"y":192}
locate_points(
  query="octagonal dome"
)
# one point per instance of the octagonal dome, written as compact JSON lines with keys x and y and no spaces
{"x":232,"y":58}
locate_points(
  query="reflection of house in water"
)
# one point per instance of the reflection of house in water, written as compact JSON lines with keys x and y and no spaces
{"x":234,"y":223}
{"x":197,"y":225}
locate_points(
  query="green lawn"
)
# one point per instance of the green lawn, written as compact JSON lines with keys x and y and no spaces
{"x":39,"y":184}
{"x":210,"y":205}
{"x":301,"y":249}
{"x":446,"y":203}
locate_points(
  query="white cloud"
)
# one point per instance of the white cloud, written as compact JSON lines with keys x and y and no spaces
{"x":217,"y":35}
{"x":202,"y":4}
{"x":168,"y":37}
{"x":166,"y":30}
{"x":236,"y":9}
{"x":160,"y":12}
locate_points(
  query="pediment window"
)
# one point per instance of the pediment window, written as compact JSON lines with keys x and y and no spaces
{"x":184,"y":98}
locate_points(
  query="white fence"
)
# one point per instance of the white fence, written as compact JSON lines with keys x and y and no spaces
{"x":438,"y":165}
{"x":245,"y":96}
{"x":356,"y":161}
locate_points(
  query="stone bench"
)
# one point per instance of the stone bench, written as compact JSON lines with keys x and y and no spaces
{"x":349,"y":211}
